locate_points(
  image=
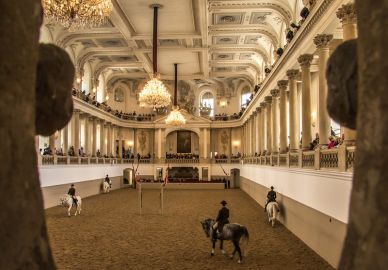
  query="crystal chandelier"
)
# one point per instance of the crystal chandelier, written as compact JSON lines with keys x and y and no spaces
{"x":77,"y":13}
{"x":154,"y":93}
{"x":175,"y":118}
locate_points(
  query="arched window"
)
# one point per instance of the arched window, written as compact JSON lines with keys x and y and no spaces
{"x":207,"y":101}
{"x":245,"y":97}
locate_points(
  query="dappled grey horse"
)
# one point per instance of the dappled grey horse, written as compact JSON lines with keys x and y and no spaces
{"x":232,"y":231}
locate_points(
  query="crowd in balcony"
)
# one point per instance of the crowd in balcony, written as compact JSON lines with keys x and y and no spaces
{"x":181,"y":156}
{"x":104,"y":106}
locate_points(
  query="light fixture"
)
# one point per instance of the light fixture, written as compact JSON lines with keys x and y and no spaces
{"x":154,"y":93}
{"x":175,"y":118}
{"x":223,"y":103}
{"x":76,"y":13}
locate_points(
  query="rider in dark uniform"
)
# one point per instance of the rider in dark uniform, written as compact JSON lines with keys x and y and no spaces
{"x":108,"y":180}
{"x":271,"y":197}
{"x":222,"y":219}
{"x":71,"y":192}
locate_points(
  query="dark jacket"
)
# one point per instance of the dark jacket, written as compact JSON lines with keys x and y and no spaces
{"x":107,"y":180}
{"x":223,"y":217}
{"x":71,"y":191}
{"x":271,"y":196}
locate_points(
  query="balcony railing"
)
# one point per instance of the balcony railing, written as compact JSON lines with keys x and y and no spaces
{"x":181,"y":160}
{"x":339,"y":159}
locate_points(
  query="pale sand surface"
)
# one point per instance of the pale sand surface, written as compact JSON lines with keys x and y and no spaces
{"x":110,"y":234}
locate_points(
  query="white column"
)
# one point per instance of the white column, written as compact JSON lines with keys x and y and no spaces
{"x":283,"y":115}
{"x":275,"y":124}
{"x":322,"y":41}
{"x":76,"y":131}
{"x":102,"y":137}
{"x":305,"y":62}
{"x":347,"y":14}
{"x":87,"y":135}
{"x":94,"y":144}
{"x":294,"y":110}
{"x":268,"y":101}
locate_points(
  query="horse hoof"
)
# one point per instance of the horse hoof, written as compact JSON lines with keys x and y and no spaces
{"x":239,"y":261}
{"x":223,"y":251}
{"x":231,"y":257}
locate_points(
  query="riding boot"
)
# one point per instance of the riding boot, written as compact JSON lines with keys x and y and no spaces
{"x":265,"y":208}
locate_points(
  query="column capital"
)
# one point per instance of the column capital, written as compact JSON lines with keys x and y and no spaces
{"x":305,"y":60}
{"x":292,"y":73}
{"x":262,"y":105}
{"x":258,"y":109}
{"x":275,"y":93}
{"x":347,"y":13}
{"x":268,"y":99}
{"x":322,"y":40}
{"x":282,"y":84}
{"x":254,"y":113}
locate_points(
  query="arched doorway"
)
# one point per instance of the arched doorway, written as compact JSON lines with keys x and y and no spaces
{"x":129,"y":178}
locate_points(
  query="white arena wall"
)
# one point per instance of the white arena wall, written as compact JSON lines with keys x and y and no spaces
{"x":314,"y":203}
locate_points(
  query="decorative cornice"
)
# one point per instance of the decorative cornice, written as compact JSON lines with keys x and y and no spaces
{"x":282,"y":84}
{"x":347,"y":13}
{"x":305,"y":60}
{"x":275,"y":93}
{"x":322,"y":40}
{"x":292,"y":73}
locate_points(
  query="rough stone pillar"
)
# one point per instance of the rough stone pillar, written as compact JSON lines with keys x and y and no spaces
{"x":268,"y":101}
{"x":102,"y":137}
{"x":283,"y":115}
{"x":65,"y":140}
{"x":94,"y":144}
{"x":24,"y":243}
{"x":347,"y":14}
{"x":293,"y":107}
{"x":366,"y":241}
{"x":275,"y":127}
{"x":76,"y":131}
{"x":305,"y":62}
{"x":322,"y":41}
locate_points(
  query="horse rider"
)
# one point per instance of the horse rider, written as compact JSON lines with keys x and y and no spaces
{"x":71,"y":192}
{"x":222,"y":219}
{"x":108,"y":180}
{"x":271,"y":197}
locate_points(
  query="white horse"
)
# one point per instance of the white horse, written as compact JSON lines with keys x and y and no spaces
{"x":67,"y":201}
{"x":106,"y":186}
{"x":272,"y":211}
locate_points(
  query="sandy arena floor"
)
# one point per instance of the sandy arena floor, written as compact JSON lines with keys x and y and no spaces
{"x":110,"y":234}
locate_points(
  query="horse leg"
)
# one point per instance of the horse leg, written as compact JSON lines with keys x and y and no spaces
{"x":213,"y":247}
{"x":68,"y":210}
{"x":234,"y":251}
{"x":79,"y":209}
{"x":274,"y":211}
{"x":237,"y":247}
{"x":222,"y":247}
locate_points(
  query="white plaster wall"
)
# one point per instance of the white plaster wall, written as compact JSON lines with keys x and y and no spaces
{"x":327,"y":192}
{"x":58,"y":175}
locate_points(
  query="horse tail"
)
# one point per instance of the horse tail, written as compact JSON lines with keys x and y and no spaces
{"x":274,"y":211}
{"x":244,"y":239}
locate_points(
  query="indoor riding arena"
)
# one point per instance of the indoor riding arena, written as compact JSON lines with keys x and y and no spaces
{"x":166,"y":123}
{"x":111,"y":234}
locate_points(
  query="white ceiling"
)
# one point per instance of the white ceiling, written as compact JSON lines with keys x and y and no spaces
{"x":211,"y":39}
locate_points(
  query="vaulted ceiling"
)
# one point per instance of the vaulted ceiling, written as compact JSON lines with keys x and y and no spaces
{"x":212,"y":40}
